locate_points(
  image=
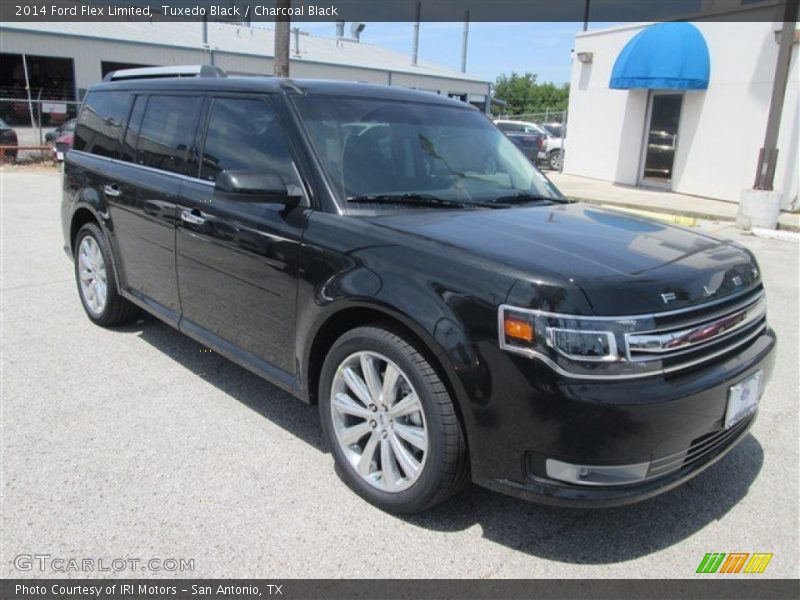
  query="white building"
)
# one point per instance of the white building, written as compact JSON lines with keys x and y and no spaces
{"x":663,"y":134}
{"x":63,"y":59}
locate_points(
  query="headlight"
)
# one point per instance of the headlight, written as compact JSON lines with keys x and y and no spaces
{"x":579,"y":346}
{"x":583,"y":345}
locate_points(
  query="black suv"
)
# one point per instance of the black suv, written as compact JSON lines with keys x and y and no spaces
{"x":393,"y":257}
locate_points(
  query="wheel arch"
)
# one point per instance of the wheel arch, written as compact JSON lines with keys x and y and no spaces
{"x":347,"y":318}
{"x":86,"y":213}
{"x":80,"y":217}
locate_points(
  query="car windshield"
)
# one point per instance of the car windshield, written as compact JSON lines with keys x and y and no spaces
{"x":386,"y":149}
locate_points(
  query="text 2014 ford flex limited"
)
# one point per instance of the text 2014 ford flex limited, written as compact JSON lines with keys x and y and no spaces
{"x":391,"y":256}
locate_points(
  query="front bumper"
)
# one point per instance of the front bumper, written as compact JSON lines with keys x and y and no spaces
{"x":674,"y":423}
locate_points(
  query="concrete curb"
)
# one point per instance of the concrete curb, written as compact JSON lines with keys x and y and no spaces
{"x":667,"y":215}
{"x":683,"y":220}
{"x":776,"y":234}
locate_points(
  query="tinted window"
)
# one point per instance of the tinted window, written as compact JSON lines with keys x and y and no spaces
{"x":376,"y":147}
{"x":100,"y":123}
{"x":245,"y":135}
{"x":166,"y":133}
{"x":509,"y":127}
{"x":134,"y":126}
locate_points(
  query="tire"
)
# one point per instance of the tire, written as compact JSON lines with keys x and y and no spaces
{"x":114,"y":309}
{"x":443,"y":465}
{"x":554,"y":160}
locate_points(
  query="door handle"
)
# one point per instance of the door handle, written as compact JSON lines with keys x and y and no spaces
{"x":191,"y":217}
{"x":112,"y":191}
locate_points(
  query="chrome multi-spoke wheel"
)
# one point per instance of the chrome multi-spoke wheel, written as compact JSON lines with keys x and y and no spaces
{"x":92,"y":275}
{"x":379,"y":421}
{"x":390,"y":421}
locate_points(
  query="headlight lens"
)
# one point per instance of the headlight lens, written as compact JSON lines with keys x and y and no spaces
{"x":584,"y":345}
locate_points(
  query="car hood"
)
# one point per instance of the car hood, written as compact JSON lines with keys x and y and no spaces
{"x":624,"y":264}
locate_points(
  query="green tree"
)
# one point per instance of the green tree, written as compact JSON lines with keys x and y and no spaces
{"x":524,"y":95}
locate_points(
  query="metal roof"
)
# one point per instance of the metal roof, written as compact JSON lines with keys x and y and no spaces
{"x":239,"y":39}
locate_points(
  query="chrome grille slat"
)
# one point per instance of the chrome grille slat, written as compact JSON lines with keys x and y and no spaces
{"x":695,"y":452}
{"x":713,"y":355}
{"x":653,"y":344}
{"x":698,"y":335}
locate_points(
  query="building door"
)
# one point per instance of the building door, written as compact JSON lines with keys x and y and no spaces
{"x":661,"y":139}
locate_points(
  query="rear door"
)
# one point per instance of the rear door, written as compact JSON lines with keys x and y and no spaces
{"x":142,"y":191}
{"x":238,"y":261}
{"x":97,"y":140}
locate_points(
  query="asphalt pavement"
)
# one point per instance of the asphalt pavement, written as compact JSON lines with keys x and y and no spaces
{"x":135,"y":443}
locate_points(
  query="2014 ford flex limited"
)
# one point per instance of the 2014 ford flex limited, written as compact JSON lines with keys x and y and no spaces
{"x":391,"y":256}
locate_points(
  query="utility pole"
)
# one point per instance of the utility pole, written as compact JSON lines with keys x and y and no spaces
{"x":464,"y":41}
{"x":206,"y":45}
{"x":282,"y":26}
{"x":586,"y":15}
{"x":768,"y":155}
{"x":415,"y":49}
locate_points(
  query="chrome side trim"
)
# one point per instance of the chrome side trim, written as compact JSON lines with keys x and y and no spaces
{"x":125,"y":163}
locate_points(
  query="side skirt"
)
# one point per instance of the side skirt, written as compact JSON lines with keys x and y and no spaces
{"x":265,"y":370}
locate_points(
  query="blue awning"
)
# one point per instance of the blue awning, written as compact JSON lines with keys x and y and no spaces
{"x":664,"y":56}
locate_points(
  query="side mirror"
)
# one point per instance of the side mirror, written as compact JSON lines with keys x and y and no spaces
{"x":254,"y":186}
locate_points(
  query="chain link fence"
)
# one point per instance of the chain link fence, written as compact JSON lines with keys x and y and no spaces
{"x":36,"y":124}
{"x":545,"y":117}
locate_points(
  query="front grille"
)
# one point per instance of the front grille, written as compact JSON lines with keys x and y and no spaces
{"x":704,"y":446}
{"x":686,"y":338}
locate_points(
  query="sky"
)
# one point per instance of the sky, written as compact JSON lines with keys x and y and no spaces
{"x":494,"y":48}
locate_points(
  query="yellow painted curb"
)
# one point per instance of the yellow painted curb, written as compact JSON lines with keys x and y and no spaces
{"x":658,"y":216}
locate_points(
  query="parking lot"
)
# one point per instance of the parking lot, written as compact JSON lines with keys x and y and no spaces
{"x":135,"y":442}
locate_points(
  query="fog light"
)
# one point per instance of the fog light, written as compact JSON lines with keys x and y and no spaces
{"x":596,"y":474}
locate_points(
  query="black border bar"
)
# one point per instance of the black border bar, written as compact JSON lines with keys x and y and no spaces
{"x":731,"y":587}
{"x":394,"y":10}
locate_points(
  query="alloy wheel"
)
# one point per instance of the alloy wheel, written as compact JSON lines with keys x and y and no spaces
{"x":379,"y":421}
{"x":92,"y":274}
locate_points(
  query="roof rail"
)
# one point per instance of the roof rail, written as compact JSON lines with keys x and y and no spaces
{"x":161,"y":72}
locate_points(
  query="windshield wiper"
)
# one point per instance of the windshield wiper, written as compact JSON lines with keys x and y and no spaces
{"x":419,"y":200}
{"x":524,"y":198}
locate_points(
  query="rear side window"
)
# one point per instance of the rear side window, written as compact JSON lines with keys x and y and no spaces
{"x":244,"y":134}
{"x":166,"y":134}
{"x":100,"y":123}
{"x":132,"y":132}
